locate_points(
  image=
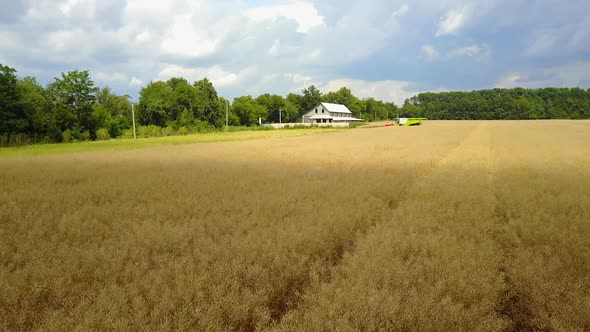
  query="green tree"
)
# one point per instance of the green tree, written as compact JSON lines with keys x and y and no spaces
{"x":273,"y":104}
{"x":112,"y":111}
{"x":33,"y":102}
{"x":291,"y":112}
{"x":185,"y":96}
{"x":102,"y":116}
{"x":345,"y":97}
{"x":295,"y":100}
{"x":392,"y":110}
{"x":186,"y":119}
{"x":73,"y":96}
{"x":377,"y":109}
{"x":521,"y":109}
{"x":232,"y":117}
{"x":207,"y":104}
{"x":409,"y":109}
{"x":310,"y":99}
{"x":248,"y":110}
{"x":156,"y":104}
{"x":12,"y":119}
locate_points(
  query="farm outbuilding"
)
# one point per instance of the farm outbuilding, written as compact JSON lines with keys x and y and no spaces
{"x":329,"y":113}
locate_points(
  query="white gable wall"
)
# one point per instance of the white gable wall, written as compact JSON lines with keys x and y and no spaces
{"x":318,"y":110}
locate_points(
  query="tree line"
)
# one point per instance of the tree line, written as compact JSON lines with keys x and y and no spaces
{"x":72,"y":108}
{"x":501,"y":104}
{"x":69,"y":108}
{"x":176,"y":103}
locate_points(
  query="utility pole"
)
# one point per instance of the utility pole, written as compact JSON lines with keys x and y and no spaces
{"x":280,"y":117}
{"x":133,"y":117}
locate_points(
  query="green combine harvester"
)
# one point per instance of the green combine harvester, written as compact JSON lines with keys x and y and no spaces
{"x":406,"y":122}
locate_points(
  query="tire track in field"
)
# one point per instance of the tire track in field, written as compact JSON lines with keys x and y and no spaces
{"x":514,"y":305}
{"x":466,"y":156}
{"x":291,"y":297}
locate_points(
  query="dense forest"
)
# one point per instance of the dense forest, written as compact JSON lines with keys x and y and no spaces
{"x":71,"y":108}
{"x":501,"y":104}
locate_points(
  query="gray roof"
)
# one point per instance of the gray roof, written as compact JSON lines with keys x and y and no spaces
{"x":336,"y":108}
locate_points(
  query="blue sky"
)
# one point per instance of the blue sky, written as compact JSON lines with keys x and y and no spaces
{"x":382,"y":48}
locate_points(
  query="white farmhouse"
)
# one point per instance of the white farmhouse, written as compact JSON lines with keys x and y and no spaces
{"x":329,"y":113}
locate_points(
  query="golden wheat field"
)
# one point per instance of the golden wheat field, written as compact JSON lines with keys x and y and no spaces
{"x":451,"y":226}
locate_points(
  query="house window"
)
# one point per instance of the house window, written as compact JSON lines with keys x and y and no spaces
{"x":316,"y":110}
{"x":322,"y":110}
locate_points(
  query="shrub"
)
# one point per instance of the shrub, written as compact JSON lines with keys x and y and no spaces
{"x":142,"y":132}
{"x":67,"y":136}
{"x":154,"y":131}
{"x":186,"y":119}
{"x":202,"y":126}
{"x":54,"y":133}
{"x":102,"y":134}
{"x":149,"y":131}
{"x":127,"y":134}
{"x":18,"y":139}
{"x":84,"y":136}
{"x":114,"y":129}
{"x":4,"y":139}
{"x":183,"y":130}
{"x":168,"y":131}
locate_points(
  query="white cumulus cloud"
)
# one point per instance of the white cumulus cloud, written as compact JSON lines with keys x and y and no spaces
{"x":430,"y":52}
{"x":477,"y":52}
{"x":511,"y":81}
{"x":274,"y":49}
{"x":184,"y":38}
{"x":303,"y":13}
{"x":453,"y":21}
{"x":108,"y":77}
{"x":386,"y":90}
{"x":135,"y":82}
{"x":403,"y":10}
{"x":216,"y":74}
{"x":569,"y":74}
